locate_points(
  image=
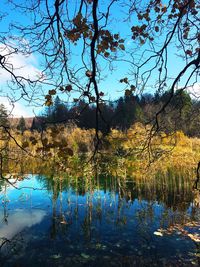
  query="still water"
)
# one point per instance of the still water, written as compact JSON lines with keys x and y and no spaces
{"x":52,"y":221}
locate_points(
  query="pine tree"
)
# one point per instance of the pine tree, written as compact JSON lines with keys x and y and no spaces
{"x":59,"y":111}
{"x":4,"y":136}
{"x":21,"y":125}
{"x":4,"y":122}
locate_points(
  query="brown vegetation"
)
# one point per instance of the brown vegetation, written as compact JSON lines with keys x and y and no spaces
{"x":124,"y":153}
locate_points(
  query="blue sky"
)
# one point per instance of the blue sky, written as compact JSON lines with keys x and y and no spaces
{"x":30,"y":66}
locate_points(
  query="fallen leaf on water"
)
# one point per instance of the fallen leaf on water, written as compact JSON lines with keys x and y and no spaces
{"x":196,"y":238}
{"x":158,"y":233}
{"x":55,"y":256}
{"x":85,"y":256}
{"x":63,"y":222}
{"x":98,"y":245}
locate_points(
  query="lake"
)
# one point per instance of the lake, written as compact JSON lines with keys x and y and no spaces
{"x":102,"y":221}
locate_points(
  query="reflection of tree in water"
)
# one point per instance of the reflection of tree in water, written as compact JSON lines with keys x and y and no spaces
{"x":82,"y":204}
{"x":5,"y":202}
{"x":58,"y":219}
{"x":124,"y":193}
{"x":55,"y":193}
{"x":10,"y":248}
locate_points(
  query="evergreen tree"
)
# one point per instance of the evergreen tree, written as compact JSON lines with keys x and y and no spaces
{"x":4,"y":122}
{"x":60,"y":111}
{"x":21,"y":125}
{"x":4,"y":136}
{"x":120,"y":113}
{"x":38,"y":124}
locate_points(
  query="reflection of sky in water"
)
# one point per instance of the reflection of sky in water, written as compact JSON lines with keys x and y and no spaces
{"x":19,"y":220}
{"x":17,"y":210}
{"x":95,"y":224}
{"x":25,"y":197}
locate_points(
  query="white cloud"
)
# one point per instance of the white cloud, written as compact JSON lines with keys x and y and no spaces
{"x":19,"y":220}
{"x":21,"y":65}
{"x":16,"y":109}
{"x":194,"y":90}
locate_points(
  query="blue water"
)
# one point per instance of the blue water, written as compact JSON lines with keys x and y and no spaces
{"x":51,"y":224}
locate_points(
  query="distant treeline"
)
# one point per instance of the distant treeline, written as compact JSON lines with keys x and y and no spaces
{"x":182,"y":113}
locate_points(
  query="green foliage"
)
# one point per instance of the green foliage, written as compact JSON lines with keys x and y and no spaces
{"x":21,"y":125}
{"x":4,"y":116}
{"x":57,"y":112}
{"x":181,"y":114}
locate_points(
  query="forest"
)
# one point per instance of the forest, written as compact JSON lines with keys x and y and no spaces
{"x":182,"y":114}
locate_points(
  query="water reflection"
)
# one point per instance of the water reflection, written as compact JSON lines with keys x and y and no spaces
{"x":97,"y":221}
{"x":19,"y":220}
